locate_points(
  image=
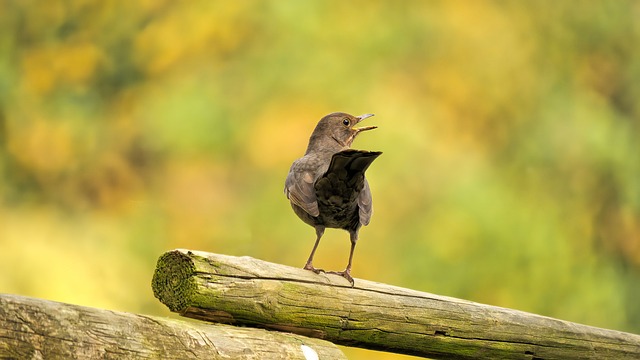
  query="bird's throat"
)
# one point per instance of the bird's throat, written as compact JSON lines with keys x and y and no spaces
{"x":341,"y":143}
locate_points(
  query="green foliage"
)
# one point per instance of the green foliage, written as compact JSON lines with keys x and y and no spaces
{"x":510,"y":132}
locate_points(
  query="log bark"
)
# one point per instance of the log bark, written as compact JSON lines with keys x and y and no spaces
{"x":247,"y":291}
{"x":40,"y":329}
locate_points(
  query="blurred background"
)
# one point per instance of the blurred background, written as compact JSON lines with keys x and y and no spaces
{"x":510,"y":131}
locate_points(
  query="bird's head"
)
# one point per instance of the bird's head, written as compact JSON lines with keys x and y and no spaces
{"x":337,"y":131}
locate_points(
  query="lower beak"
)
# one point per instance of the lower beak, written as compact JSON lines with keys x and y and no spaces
{"x":364,"y":128}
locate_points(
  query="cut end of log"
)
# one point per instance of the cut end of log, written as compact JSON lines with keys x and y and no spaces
{"x":173,"y":282}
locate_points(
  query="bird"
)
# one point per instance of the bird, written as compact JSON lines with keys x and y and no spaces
{"x":327,"y":187}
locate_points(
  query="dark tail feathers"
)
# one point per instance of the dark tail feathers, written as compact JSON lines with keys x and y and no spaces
{"x":353,"y":161}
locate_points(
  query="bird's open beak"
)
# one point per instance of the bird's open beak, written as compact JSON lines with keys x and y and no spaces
{"x":364,"y":128}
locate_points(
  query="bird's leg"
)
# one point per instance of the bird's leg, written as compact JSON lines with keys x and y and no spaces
{"x":309,"y":264}
{"x":347,"y":272}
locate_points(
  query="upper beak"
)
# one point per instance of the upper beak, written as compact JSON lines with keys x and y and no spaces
{"x":364,"y":128}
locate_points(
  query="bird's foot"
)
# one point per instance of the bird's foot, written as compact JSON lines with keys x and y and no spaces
{"x":345,"y":274}
{"x":309,"y":266}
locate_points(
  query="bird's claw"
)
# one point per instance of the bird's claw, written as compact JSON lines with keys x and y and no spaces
{"x":345,"y":274}
{"x":310,"y":267}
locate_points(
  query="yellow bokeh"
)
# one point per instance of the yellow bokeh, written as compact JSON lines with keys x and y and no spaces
{"x":72,"y":64}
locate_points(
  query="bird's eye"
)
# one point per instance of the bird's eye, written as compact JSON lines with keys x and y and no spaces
{"x":345,"y":122}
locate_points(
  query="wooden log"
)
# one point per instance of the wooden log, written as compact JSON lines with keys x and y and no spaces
{"x":40,"y":329}
{"x":247,"y":291}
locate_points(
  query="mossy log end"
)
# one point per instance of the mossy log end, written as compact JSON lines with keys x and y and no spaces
{"x":247,"y":291}
{"x":41,"y":329}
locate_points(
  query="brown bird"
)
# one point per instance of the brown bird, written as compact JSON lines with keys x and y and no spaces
{"x":327,"y":187}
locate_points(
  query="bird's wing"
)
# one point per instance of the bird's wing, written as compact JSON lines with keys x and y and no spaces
{"x":300,"y":191}
{"x":365,"y":204}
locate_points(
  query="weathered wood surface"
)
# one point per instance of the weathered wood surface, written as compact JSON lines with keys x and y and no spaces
{"x":247,"y":291}
{"x":40,"y":329}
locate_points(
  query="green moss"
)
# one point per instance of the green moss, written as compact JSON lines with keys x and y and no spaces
{"x":173,"y":281}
